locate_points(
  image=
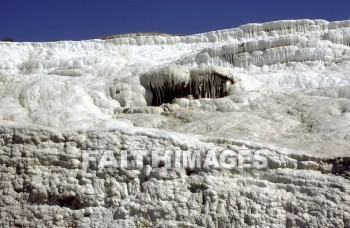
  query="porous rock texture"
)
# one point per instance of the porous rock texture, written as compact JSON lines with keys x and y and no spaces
{"x":276,"y":95}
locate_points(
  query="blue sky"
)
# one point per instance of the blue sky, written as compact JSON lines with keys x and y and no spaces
{"x":47,"y":20}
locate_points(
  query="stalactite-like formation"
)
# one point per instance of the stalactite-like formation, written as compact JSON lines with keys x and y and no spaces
{"x":198,"y":83}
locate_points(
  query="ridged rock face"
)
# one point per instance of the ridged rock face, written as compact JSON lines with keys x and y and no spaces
{"x":244,"y":127}
{"x":52,"y":179}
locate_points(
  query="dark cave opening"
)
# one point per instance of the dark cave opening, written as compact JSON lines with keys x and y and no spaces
{"x":212,"y":86}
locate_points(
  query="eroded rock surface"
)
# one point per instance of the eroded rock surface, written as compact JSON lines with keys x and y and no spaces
{"x":107,"y":133}
{"x":46,"y":181}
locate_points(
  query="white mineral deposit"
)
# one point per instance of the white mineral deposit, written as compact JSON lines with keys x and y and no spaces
{"x":244,"y":127}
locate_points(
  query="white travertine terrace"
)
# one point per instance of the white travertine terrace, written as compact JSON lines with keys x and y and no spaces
{"x":279,"y":89}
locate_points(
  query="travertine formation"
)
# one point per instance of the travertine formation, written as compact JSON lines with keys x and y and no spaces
{"x":245,"y":127}
{"x":44,"y":183}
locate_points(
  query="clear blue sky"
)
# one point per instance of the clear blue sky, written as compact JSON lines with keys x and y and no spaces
{"x":47,"y":20}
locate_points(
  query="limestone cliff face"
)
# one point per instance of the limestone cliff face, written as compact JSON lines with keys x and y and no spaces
{"x":46,"y":181}
{"x":245,"y":127}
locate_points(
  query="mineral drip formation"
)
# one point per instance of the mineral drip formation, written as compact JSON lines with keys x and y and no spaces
{"x":171,"y":82}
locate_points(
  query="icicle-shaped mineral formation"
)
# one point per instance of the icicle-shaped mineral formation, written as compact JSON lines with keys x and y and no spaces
{"x":173,"y":81}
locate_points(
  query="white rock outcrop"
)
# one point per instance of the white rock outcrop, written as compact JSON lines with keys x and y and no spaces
{"x":244,"y":127}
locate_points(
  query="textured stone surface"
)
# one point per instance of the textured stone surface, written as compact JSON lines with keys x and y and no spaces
{"x":44,"y":183}
{"x":82,"y":123}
